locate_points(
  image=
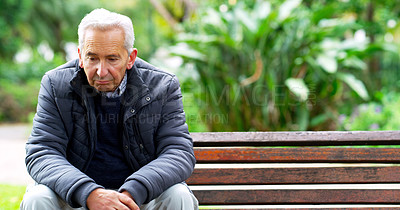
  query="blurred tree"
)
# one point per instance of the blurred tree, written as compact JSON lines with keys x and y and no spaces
{"x":372,"y":17}
{"x":56,"y":21}
{"x":12,"y":15}
{"x":174,"y":11}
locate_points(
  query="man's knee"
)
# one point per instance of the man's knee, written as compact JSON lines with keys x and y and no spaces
{"x":177,"y":197}
{"x":181,"y":197}
{"x":39,"y":197}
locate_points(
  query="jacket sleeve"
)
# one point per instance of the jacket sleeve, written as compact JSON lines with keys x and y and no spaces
{"x":175,"y":158}
{"x":46,"y":152}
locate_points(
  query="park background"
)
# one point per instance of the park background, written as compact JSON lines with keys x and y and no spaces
{"x":243,"y":65}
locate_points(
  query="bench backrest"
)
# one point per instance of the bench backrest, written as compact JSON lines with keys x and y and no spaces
{"x":263,"y":168}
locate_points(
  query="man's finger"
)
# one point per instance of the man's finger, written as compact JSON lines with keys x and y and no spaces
{"x":128,"y":202}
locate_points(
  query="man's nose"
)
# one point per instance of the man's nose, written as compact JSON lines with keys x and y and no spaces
{"x":101,"y":70}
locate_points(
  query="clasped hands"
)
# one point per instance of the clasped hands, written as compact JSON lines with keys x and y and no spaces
{"x":103,"y":199}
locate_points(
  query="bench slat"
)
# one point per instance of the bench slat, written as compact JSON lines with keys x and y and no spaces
{"x":294,"y":175}
{"x":303,"y":207}
{"x":339,"y":196}
{"x":313,"y":138}
{"x":296,"y":155}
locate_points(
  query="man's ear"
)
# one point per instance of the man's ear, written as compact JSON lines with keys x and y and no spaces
{"x":80,"y":58}
{"x":132,"y":58}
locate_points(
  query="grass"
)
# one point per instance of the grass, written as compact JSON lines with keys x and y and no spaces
{"x":11,"y":196}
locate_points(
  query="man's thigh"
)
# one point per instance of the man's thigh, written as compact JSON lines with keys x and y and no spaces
{"x":38,"y":197}
{"x":177,"y":197}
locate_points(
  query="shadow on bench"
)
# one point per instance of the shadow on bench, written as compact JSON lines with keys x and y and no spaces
{"x":266,"y":170}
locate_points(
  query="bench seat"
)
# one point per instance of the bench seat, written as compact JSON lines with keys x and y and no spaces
{"x":297,"y":170}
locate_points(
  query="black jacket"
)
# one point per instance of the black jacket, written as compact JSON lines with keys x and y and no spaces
{"x":156,"y":141}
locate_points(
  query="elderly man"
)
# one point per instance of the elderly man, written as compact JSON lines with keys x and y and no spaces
{"x":110,"y":131}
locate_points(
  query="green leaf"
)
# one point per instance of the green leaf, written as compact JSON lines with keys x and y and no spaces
{"x":184,"y":50}
{"x":319,"y":119}
{"x":303,"y":117}
{"x":261,"y":10}
{"x":298,"y":88}
{"x":328,"y":63}
{"x":355,"y":84}
{"x":326,"y":23}
{"x":187,"y":37}
{"x":244,"y":18}
{"x":286,"y":8}
{"x":354,"y":62}
{"x":213,"y":18}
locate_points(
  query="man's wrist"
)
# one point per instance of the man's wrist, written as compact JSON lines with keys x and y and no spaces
{"x":81,"y":194}
{"x":125,"y":192}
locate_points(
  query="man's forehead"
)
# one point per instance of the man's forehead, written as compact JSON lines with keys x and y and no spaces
{"x":96,"y":44}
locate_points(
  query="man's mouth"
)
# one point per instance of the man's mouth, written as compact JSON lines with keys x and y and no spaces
{"x":102,"y":82}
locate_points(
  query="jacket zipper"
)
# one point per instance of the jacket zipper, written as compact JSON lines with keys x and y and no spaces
{"x":126,"y":150}
{"x":135,"y":127}
{"x":137,"y":134}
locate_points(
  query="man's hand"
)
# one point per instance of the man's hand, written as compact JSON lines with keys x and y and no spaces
{"x":110,"y":199}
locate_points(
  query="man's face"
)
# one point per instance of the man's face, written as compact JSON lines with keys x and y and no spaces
{"x":104,"y":58}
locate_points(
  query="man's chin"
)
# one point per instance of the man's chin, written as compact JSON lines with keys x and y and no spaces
{"x":102,"y":88}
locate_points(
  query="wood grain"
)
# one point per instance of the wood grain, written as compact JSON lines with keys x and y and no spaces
{"x":295,"y":175}
{"x":296,"y":155}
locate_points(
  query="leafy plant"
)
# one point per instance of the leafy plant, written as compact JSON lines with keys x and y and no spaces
{"x":12,"y":16}
{"x":19,"y":87}
{"x":273,"y":67}
{"x":18,"y":101}
{"x":382,"y":115}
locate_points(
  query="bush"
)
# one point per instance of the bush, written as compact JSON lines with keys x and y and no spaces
{"x":194,"y":117}
{"x":19,"y":87}
{"x":18,"y":100}
{"x":382,"y":115}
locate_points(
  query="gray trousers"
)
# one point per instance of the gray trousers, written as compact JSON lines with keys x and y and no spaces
{"x":40,"y":197}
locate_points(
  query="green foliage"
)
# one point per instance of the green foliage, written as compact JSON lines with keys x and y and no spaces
{"x":19,"y":87}
{"x":56,"y":21}
{"x":11,"y":196}
{"x":18,"y":100}
{"x":193,"y":114}
{"x":194,"y":117}
{"x":12,"y":15}
{"x":382,"y":115}
{"x":34,"y":69}
{"x":151,"y":30}
{"x":273,"y":66}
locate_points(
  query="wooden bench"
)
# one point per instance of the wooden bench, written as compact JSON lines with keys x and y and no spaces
{"x":294,"y":170}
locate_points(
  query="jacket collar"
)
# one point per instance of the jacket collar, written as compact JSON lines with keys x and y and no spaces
{"x":136,"y":88}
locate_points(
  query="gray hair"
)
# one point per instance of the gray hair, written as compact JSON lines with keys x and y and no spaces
{"x":103,"y":19}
